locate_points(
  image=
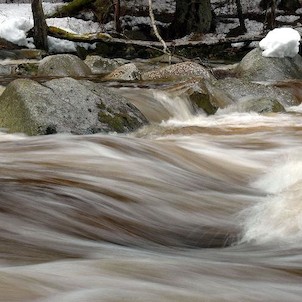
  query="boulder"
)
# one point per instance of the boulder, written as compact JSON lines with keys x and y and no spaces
{"x":262,"y":105}
{"x":63,"y":65}
{"x":178,"y":71}
{"x":99,"y":65}
{"x":255,"y":67}
{"x":241,"y":90}
{"x":65,"y":105}
{"x":127,"y":72}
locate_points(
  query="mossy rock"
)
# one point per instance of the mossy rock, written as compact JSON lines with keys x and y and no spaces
{"x":65,"y":105}
{"x":28,"y":69}
{"x":262,"y":105}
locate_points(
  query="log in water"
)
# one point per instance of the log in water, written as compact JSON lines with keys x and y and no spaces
{"x":194,"y":208}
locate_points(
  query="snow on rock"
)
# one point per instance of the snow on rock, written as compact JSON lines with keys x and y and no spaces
{"x":280,"y":43}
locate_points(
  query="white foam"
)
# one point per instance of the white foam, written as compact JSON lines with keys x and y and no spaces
{"x":278,"y":217}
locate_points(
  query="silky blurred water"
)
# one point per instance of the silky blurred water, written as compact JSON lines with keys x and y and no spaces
{"x":188,"y":208}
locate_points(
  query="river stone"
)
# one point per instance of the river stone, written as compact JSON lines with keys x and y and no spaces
{"x":7,"y":69}
{"x":262,"y":105}
{"x":65,"y":105}
{"x":127,"y":72}
{"x":178,"y":71}
{"x":255,"y":67}
{"x":242,"y":89}
{"x":99,"y":65}
{"x":63,"y":65}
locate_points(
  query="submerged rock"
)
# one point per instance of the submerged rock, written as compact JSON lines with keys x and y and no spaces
{"x":178,"y":71}
{"x":65,"y":106}
{"x":255,"y":67}
{"x":63,"y":65}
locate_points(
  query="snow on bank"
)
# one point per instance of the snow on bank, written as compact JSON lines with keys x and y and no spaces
{"x":16,"y":20}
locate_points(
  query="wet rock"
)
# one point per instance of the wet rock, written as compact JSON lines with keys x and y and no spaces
{"x":241,"y":90}
{"x":262,"y":105}
{"x":27,"y":69}
{"x":63,"y":65}
{"x":99,"y":65}
{"x":127,"y":72}
{"x":7,"y":69}
{"x":178,"y":71}
{"x":65,"y":106}
{"x":6,"y":54}
{"x":255,"y":67}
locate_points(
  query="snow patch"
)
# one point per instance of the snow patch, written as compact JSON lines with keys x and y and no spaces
{"x":280,"y":43}
{"x":14,"y":30}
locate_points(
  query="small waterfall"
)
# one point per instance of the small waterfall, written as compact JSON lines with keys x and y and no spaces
{"x":157,"y":105}
{"x":179,"y":107}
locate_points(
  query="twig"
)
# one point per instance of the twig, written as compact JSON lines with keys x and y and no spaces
{"x":158,"y":36}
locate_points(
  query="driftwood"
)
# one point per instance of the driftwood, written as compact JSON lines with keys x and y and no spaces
{"x":87,"y":38}
{"x":106,"y":38}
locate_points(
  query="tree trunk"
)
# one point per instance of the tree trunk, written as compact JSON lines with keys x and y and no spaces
{"x":191,"y":16}
{"x":240,"y":16}
{"x":40,"y":26}
{"x":117,"y":14}
{"x":289,"y":5}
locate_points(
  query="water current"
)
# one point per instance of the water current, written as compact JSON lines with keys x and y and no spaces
{"x":188,"y":208}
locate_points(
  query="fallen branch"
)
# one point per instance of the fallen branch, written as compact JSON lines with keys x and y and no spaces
{"x":106,"y":38}
{"x":87,"y":38}
{"x":158,"y":36}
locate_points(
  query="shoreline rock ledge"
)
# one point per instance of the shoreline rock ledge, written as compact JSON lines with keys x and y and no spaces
{"x":66,"y":105}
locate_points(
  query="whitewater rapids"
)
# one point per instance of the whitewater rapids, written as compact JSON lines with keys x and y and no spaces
{"x":195,"y":208}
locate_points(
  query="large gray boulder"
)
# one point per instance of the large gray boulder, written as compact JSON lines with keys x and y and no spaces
{"x":255,"y":67}
{"x":241,"y":90}
{"x":65,"y":106}
{"x":63,"y":65}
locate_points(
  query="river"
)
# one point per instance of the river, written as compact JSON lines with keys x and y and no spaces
{"x":193,"y":208}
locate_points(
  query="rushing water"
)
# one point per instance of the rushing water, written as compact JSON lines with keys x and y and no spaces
{"x":194,"y":208}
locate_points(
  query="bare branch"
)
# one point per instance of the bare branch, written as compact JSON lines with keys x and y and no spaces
{"x":158,"y":36}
